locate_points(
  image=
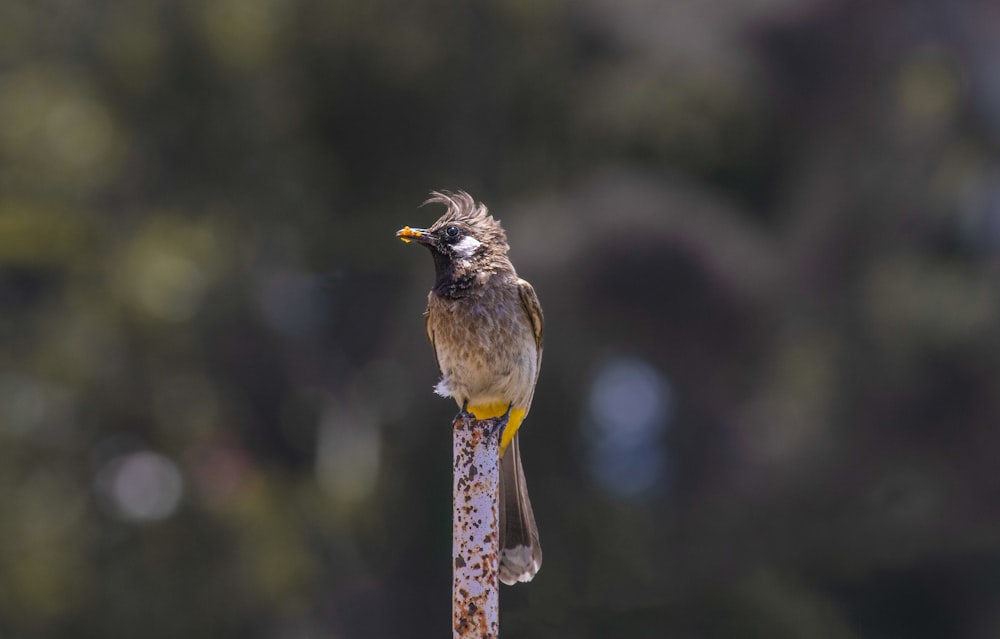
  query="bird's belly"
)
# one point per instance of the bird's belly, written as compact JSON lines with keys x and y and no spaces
{"x":482,"y":367}
{"x":480,"y":380}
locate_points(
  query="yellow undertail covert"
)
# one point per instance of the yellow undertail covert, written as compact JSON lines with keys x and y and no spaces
{"x":499,"y":409}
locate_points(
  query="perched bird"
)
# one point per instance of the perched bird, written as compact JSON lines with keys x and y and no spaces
{"x":485,"y":325}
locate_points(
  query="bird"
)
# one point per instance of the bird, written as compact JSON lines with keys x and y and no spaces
{"x":485,"y":326}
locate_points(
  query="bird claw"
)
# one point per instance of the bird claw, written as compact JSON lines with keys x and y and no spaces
{"x":497,"y":425}
{"x":494,"y":426}
{"x":464,"y":414}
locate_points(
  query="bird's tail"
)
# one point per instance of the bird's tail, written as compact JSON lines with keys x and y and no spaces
{"x":520,"y":552}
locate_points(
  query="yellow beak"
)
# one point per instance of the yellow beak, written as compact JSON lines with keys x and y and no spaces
{"x":407,"y":234}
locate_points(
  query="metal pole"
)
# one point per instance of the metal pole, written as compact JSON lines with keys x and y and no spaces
{"x":476,"y":533}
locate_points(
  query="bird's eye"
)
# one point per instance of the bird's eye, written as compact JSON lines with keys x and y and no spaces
{"x":451,"y":231}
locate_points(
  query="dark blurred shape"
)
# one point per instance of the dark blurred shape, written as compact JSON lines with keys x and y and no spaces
{"x":291,"y":302}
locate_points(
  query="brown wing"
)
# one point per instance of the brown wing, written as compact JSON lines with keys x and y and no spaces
{"x":529,"y":300}
{"x":521,"y":553}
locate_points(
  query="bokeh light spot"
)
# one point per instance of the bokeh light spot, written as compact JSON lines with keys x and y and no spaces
{"x":629,"y":409}
{"x":140,"y":487}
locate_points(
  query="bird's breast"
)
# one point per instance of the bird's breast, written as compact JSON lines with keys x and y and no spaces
{"x":485,"y":348}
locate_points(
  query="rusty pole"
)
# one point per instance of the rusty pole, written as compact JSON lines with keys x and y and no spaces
{"x":475,"y":608}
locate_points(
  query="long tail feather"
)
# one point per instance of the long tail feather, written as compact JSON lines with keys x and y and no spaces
{"x":520,"y":552}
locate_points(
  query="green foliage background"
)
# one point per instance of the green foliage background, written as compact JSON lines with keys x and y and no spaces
{"x":790,"y":209}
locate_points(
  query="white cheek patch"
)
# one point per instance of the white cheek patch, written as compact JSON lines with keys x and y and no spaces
{"x":467,"y":246}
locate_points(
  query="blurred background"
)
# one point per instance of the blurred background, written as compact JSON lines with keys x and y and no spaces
{"x":766,"y":236}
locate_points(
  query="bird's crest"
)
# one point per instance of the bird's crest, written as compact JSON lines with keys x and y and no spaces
{"x":463,"y":209}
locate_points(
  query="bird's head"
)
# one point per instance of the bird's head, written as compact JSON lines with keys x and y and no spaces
{"x":465,"y":232}
{"x":465,"y":242}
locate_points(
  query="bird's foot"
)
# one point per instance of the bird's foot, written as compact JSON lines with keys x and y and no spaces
{"x":464,"y":414}
{"x":499,"y":424}
{"x":493,"y":426}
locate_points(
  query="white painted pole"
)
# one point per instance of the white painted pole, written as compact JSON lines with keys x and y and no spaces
{"x":476,"y":533}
